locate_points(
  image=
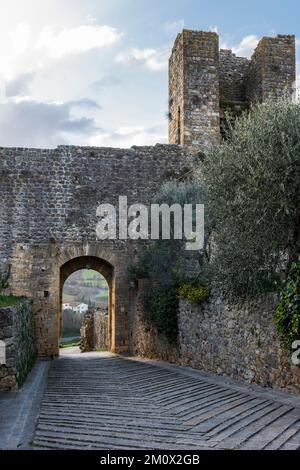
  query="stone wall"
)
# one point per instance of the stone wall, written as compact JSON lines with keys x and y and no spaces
{"x":232,"y":87}
{"x":101,"y":327}
{"x":238,"y":340}
{"x":48,"y":218}
{"x":95,"y":331}
{"x":17,"y":331}
{"x":87,"y":332}
{"x":272,"y":70}
{"x":176,"y":90}
{"x":232,"y":74}
{"x":235,"y":340}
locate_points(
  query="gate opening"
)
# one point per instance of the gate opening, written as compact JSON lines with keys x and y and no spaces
{"x":86,"y":310}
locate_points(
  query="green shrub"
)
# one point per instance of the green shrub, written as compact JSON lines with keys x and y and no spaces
{"x":163,"y":304}
{"x":193,"y":293}
{"x":287,"y":313}
{"x":9,"y":300}
{"x":25,"y":367}
{"x":138,"y":271}
{"x":69,"y":344}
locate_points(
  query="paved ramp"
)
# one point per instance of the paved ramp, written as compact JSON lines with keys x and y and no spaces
{"x":102,"y":401}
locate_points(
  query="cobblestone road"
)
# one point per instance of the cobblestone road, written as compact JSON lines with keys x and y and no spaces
{"x":101,"y":401}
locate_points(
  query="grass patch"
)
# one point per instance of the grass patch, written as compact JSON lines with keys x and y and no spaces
{"x":67,"y":298}
{"x":9,"y":300}
{"x":69,"y":344}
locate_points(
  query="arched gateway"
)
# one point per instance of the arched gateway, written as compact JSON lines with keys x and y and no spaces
{"x":107,"y":271}
{"x":49,"y":220}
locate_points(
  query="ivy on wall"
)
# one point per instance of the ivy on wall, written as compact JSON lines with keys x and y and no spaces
{"x":165,"y":264}
{"x":163,"y":306}
{"x":4,"y":277}
{"x":287,"y":314}
{"x":194,"y":293}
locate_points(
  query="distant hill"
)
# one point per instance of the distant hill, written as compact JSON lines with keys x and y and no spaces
{"x":86,"y":286}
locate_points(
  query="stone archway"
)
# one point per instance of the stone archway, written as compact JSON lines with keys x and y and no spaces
{"x":102,"y":267}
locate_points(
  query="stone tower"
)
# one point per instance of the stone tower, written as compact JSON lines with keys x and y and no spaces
{"x":206,"y":84}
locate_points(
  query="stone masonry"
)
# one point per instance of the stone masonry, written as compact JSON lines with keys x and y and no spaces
{"x":235,"y":340}
{"x":194,"y":89}
{"x":101,"y":339}
{"x":87,"y":332}
{"x":49,"y":200}
{"x":205,"y":84}
{"x":95,"y":331}
{"x":17,"y":332}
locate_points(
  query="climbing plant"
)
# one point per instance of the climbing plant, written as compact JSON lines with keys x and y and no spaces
{"x":162,"y":265}
{"x":287,"y":314}
{"x":194,"y":293}
{"x":165,"y":262}
{"x":163,"y":305}
{"x":4,"y":277}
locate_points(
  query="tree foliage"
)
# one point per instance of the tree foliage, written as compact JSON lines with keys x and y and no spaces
{"x":253,"y":190}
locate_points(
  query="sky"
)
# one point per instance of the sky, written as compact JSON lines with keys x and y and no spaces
{"x":94,"y":72}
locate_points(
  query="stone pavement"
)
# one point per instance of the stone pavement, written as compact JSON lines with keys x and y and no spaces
{"x":19,"y":410}
{"x":103,"y":401}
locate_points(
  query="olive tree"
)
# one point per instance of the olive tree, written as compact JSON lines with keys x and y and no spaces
{"x":253,"y":185}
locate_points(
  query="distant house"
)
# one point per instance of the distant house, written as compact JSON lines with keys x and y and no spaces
{"x":67,"y":306}
{"x":81,"y":308}
{"x":78,"y":308}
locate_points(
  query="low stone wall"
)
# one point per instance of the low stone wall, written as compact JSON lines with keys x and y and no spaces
{"x":237,"y":340}
{"x":17,"y":332}
{"x":94,"y":331}
{"x":101,"y":339}
{"x":87,"y":333}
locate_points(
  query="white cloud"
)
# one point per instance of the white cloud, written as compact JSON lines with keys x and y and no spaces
{"x":131,"y":135}
{"x":27,"y":123}
{"x":174,"y":27}
{"x":24,"y":50}
{"x":19,"y":86}
{"x":214,"y":29}
{"x":14,"y":47}
{"x":105,"y":82}
{"x":245,"y":48}
{"x":76,"y":40}
{"x":20,"y":38}
{"x":152,"y":59}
